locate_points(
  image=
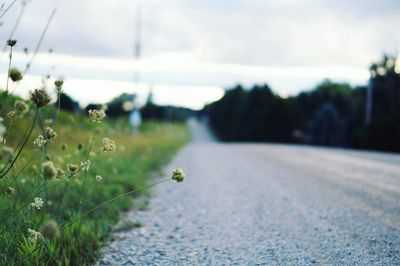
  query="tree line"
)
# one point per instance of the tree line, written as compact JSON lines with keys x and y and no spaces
{"x":331,"y":114}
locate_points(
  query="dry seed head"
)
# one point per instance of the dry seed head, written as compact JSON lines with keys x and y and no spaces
{"x":21,"y":107}
{"x":11,"y":115}
{"x":40,"y":97}
{"x":15,"y":74}
{"x":178,"y":175}
{"x":49,"y":170}
{"x":58,"y":84}
{"x":49,"y":133}
{"x":11,"y":42}
{"x":50,"y":229}
{"x":73,"y":168}
{"x":99,"y":178}
{"x":10,"y":191}
{"x":60,"y":173}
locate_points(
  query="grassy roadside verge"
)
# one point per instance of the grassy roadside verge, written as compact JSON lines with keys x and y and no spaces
{"x":126,"y":169}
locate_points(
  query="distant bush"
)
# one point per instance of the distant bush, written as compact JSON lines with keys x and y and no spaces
{"x":331,"y":114}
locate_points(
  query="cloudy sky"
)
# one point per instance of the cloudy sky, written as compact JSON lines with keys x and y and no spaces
{"x":193,"y":49}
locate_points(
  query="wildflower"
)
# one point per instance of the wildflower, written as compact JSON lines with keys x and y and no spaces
{"x":21,"y":108}
{"x":37,"y":203}
{"x":108,"y":145}
{"x":64,"y":146}
{"x":73,"y":168}
{"x":48,"y":157}
{"x":85,"y":166}
{"x":6,"y":154}
{"x":60,"y":173}
{"x":178,"y":175}
{"x":58,"y":84}
{"x":49,"y":170}
{"x":39,"y":141}
{"x":50,"y":229}
{"x":11,"y":42}
{"x":15,"y":74}
{"x":99,"y":178}
{"x":34,"y":235}
{"x":40,"y":97}
{"x":97,"y":115}
{"x":49,"y":133}
{"x":10,"y":191}
{"x":11,"y":115}
{"x":80,"y":146}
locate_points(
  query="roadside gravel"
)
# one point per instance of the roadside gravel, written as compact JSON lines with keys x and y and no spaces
{"x":262,"y":204}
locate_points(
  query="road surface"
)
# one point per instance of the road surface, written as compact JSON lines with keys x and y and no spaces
{"x":264,"y":204}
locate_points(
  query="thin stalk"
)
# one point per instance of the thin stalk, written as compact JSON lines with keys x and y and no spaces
{"x":24,"y":167}
{"x":112,"y":200}
{"x":40,"y":40}
{"x":8,"y":8}
{"x":58,"y":107}
{"x":23,"y":145}
{"x":21,"y":13}
{"x":6,"y":134}
{"x":9,"y":68}
{"x":37,"y":194}
{"x":86,"y":159}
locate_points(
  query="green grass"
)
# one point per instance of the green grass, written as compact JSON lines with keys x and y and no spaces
{"x":130,"y":167}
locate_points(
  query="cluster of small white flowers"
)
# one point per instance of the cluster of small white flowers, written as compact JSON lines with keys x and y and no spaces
{"x":109,"y":145}
{"x":37,"y":203}
{"x":34,"y":236}
{"x":99,"y":178}
{"x":97,"y":115}
{"x":39,"y":141}
{"x":85,"y":165}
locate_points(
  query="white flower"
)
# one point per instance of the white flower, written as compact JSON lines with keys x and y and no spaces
{"x":85,"y":166}
{"x":34,"y":235}
{"x":39,"y":141}
{"x":37,"y":203}
{"x":97,"y":115}
{"x":99,"y":178}
{"x":108,"y":145}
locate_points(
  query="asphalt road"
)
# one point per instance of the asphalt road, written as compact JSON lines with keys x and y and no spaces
{"x":263,"y":204}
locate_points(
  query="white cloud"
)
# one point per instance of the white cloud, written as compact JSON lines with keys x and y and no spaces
{"x":289,"y":44}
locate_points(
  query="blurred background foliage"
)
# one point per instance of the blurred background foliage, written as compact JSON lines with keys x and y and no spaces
{"x":331,"y":114}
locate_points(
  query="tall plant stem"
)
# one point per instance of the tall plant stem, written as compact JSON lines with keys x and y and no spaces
{"x":23,"y":144}
{"x":9,"y":68}
{"x":112,"y":200}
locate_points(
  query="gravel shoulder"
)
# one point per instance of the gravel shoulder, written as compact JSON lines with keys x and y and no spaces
{"x":263,"y":204}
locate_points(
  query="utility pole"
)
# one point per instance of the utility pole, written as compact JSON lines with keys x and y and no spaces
{"x":138,"y":40}
{"x":135,"y":116}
